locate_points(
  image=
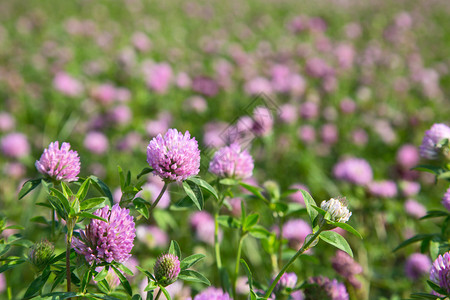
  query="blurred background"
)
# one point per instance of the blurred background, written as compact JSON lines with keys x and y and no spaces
{"x":306,"y":86}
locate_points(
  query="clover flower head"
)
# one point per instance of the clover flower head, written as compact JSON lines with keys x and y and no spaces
{"x":429,"y":148}
{"x":440,"y":271}
{"x":175,"y":156}
{"x":61,"y":164}
{"x":107,"y":241}
{"x":446,"y":199}
{"x":233,"y":162}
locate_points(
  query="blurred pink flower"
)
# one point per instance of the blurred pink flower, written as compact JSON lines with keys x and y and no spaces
{"x":295,"y":231}
{"x":354,"y":170}
{"x":120,"y":115}
{"x":409,"y":188}
{"x":96,"y":142}
{"x":152,"y":236}
{"x":384,"y":188}
{"x":408,"y":156}
{"x":329,"y":134}
{"x":309,"y":110}
{"x":159,"y":77}
{"x":104,"y":93}
{"x":141,"y":41}
{"x":307,"y":134}
{"x":7,"y":122}
{"x":67,"y":85}
{"x":298,"y":196}
{"x":258,"y":85}
{"x":205,"y":85}
{"x":415,"y":209}
{"x":160,"y":125}
{"x":15,"y":145}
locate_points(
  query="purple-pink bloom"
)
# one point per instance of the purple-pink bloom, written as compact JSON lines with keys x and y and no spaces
{"x":383,"y":188}
{"x":160,"y":124}
{"x":417,"y":265}
{"x":409,"y":188}
{"x":354,"y":170}
{"x":295,"y":231}
{"x":359,"y":137}
{"x":3,"y":284}
{"x":212,"y":293}
{"x":324,"y":288}
{"x":262,"y":121}
{"x":67,"y":85}
{"x":307,"y":133}
{"x":288,"y":113}
{"x":440,"y":271}
{"x":298,"y":196}
{"x":203,"y":225}
{"x":120,"y":115}
{"x":347,"y":106}
{"x":408,"y":156}
{"x":159,"y":77}
{"x":309,"y":110}
{"x":257,"y":86}
{"x":96,"y":142}
{"x":107,"y":241}
{"x":232,"y":162}
{"x":7,"y":121}
{"x":347,"y":267}
{"x":446,"y":199}
{"x":329,"y":134}
{"x":15,"y":145}
{"x":429,"y":148}
{"x":152,"y":236}
{"x":287,"y":280}
{"x":174,"y":157}
{"x":60,"y":164}
{"x":151,"y":190}
{"x":415,"y":209}
{"x":105,"y":93}
{"x":205,"y":86}
{"x":141,"y":41}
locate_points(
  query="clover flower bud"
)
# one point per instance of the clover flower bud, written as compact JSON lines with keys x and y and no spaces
{"x":337,"y":208}
{"x":41,"y":253}
{"x":167,"y":268}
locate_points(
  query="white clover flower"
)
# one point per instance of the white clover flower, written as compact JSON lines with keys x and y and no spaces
{"x":337,"y":208}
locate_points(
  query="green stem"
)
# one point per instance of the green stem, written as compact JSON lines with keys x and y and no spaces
{"x":68,"y":248}
{"x":52,"y":234}
{"x":238,"y":258}
{"x":216,"y":240}
{"x":159,"y":294}
{"x":166,"y":184}
{"x":305,"y":246}
{"x":280,"y":242}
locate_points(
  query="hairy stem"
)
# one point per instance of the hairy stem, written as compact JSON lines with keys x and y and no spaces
{"x":158,"y":198}
{"x":280,"y":242}
{"x":216,"y":240}
{"x":236,"y":268}
{"x":68,"y":272}
{"x":159,"y":294}
{"x":305,"y":246}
